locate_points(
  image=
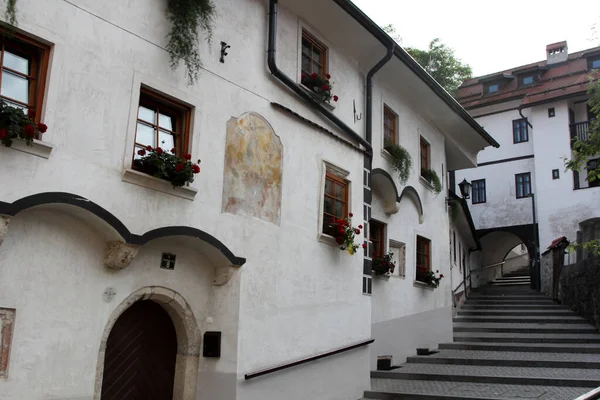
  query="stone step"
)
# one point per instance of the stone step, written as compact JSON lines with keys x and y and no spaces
{"x":476,"y":296}
{"x":586,"y":348}
{"x":494,"y":374}
{"x":543,"y":302}
{"x":513,"y":307}
{"x":513,"y":279}
{"x":396,"y":389}
{"x":523,"y":328}
{"x":563,"y":319}
{"x":517,"y":313}
{"x":511,"y":283}
{"x":526,"y":337}
{"x":510,"y":359}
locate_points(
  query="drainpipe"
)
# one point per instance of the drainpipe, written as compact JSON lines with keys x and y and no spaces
{"x":370,"y":75}
{"x":521,"y":112}
{"x":286,"y":80}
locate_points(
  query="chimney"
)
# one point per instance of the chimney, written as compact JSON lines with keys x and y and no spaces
{"x":557,"y":52}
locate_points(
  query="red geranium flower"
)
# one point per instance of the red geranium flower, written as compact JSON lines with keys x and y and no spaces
{"x":335,"y":98}
{"x":31,"y":113}
{"x":158,"y":150}
{"x":42,"y":127}
{"x":149,"y":148}
{"x":142,"y":152}
{"x":179,"y":167}
{"x":187,"y":156}
{"x":351,"y":215}
{"x":2,"y":133}
{"x":360,"y":227}
{"x":173,"y":150}
{"x":195,"y":169}
{"x":314,"y":75}
{"x":303,"y":76}
{"x":441,"y":275}
{"x":325,"y":87}
{"x":29,"y":130}
{"x":327,"y":76}
{"x":364,"y":246}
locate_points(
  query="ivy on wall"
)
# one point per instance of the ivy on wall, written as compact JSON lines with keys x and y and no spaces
{"x":187,"y":17}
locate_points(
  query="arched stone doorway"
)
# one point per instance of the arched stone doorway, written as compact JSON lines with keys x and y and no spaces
{"x":188,"y":339}
{"x":140,"y":355}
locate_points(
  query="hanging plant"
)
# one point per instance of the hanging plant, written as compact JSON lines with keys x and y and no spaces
{"x":401,"y":160}
{"x":167,"y":165}
{"x":344,"y":233}
{"x":11,"y":12}
{"x":320,"y":86}
{"x":383,"y":264}
{"x":432,"y":177}
{"x":454,"y":211}
{"x":187,"y":16}
{"x":433,"y":279}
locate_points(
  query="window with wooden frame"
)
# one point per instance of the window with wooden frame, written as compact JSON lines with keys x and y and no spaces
{"x":390,"y":123}
{"x":478,"y":195}
{"x":314,"y":55}
{"x":24,"y":70}
{"x":335,"y":201}
{"x":377,"y":238}
{"x":523,"y":185}
{"x":520,"y":133}
{"x":423,"y":258}
{"x":425,"y":155}
{"x":162,"y":122}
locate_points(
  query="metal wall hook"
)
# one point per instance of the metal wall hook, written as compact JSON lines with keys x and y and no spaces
{"x":357,"y":117}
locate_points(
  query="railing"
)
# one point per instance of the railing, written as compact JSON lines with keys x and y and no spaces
{"x":579,"y":131}
{"x":468,"y":279}
{"x":291,"y":364}
{"x":593,"y":395}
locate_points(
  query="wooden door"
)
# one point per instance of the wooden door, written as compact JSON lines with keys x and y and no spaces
{"x":140,"y":355}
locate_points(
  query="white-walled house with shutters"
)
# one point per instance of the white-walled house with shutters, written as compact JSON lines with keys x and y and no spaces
{"x":535,"y":111}
{"x":173,"y":239}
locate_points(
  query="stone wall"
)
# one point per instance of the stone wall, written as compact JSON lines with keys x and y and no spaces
{"x":580,"y":288}
{"x":546,"y":273}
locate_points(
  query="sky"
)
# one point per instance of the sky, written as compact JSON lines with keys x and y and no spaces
{"x":491,"y":36}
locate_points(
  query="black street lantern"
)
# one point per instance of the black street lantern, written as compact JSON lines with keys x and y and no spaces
{"x":465,"y":189}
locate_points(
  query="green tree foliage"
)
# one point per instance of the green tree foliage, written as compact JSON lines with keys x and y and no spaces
{"x":391,"y":30}
{"x":441,"y":63}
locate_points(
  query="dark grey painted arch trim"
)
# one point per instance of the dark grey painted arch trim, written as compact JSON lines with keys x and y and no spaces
{"x":39,"y":199}
{"x":412,"y":191}
{"x":384,"y":173}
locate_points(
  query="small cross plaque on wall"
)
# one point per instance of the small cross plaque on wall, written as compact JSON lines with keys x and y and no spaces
{"x":168,"y":261}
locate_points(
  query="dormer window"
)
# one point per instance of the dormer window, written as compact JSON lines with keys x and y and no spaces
{"x":594,"y":62}
{"x":493,"y":88}
{"x":527,"y":80}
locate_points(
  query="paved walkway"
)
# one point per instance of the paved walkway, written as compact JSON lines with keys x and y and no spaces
{"x":509,"y":343}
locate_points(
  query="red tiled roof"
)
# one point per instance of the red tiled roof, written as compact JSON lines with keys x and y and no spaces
{"x":556,"y":81}
{"x":556,"y":242}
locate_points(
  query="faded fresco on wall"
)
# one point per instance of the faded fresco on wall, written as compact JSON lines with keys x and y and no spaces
{"x":253,"y":169}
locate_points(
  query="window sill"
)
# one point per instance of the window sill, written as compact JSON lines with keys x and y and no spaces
{"x":327,"y":239}
{"x":37,"y":148}
{"x":587,"y":187}
{"x":381,"y":277}
{"x":422,"y":285}
{"x":328,"y":106}
{"x":425,"y":183}
{"x":150,"y":182}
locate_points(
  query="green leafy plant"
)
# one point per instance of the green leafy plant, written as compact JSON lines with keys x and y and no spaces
{"x":383,"y":264}
{"x":432,"y":177}
{"x":320,"y":86}
{"x":11,"y":12}
{"x":453,"y":209}
{"x":187,"y":16}
{"x":15,"y":124}
{"x":593,"y":247}
{"x":344,"y":233}
{"x":433,"y":279}
{"x":166,"y":165}
{"x":401,"y":160}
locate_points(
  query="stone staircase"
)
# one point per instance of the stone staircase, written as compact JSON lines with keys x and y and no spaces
{"x":518,"y":277}
{"x":509,"y":343}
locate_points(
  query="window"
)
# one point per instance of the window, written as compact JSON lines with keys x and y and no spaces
{"x":162,"y":122}
{"x":24,"y":67}
{"x":425,"y":152}
{"x":377,"y":238}
{"x":555,"y":174}
{"x":454,"y":245}
{"x":592,"y":165}
{"x":478,"y":189}
{"x":314,"y":55}
{"x":335,"y":200}
{"x":423,"y":258}
{"x":520,"y":130}
{"x":594,"y":63}
{"x":523,"y":185}
{"x":527,"y":80}
{"x":389,"y":126}
{"x":493,"y":88}
{"x":399,"y":251}
{"x":551,"y":112}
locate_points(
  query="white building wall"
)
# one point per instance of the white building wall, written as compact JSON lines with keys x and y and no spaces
{"x":500,"y":126}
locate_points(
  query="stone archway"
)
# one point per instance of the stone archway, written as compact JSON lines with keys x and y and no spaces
{"x":188,"y":338}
